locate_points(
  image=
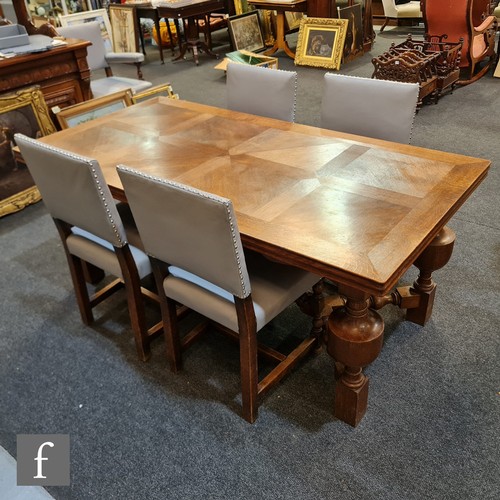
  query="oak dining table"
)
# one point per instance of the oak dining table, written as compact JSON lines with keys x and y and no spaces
{"x":354,"y":210}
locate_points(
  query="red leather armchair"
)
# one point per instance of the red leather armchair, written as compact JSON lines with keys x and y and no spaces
{"x":470,"y":21}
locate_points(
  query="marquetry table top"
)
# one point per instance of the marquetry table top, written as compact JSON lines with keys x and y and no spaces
{"x":354,"y":209}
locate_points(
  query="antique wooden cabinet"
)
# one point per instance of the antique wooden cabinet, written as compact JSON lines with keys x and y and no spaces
{"x":62,"y":73}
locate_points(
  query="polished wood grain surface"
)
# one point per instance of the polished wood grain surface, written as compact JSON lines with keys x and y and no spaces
{"x":353,"y":209}
{"x":359,"y":211}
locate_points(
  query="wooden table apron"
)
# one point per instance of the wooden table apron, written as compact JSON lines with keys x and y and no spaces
{"x":356,"y":210}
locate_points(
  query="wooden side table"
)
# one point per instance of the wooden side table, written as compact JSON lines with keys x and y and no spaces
{"x":190,"y":10}
{"x":280,"y":6}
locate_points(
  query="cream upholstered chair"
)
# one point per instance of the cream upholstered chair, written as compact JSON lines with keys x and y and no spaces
{"x":261,"y":91}
{"x":409,"y":11}
{"x":98,"y":59}
{"x":93,"y":229}
{"x":193,"y":240}
{"x":380,"y":109}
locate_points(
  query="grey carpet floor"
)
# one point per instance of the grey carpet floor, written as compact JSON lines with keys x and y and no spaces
{"x":140,"y":432}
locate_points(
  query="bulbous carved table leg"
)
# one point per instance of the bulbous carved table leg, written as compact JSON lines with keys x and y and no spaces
{"x":434,"y":257}
{"x":355,"y":335}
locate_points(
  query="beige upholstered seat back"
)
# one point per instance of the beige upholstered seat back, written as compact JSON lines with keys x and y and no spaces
{"x":380,"y":109}
{"x":73,"y":189}
{"x":261,"y":91}
{"x":188,"y":228}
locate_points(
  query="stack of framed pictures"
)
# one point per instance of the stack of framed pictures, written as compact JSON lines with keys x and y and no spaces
{"x":119,"y":29}
{"x":247,"y":41}
{"x":353,"y":45}
{"x":100,"y":15}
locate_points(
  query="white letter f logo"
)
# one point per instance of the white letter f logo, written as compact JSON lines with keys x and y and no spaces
{"x":39,"y":459}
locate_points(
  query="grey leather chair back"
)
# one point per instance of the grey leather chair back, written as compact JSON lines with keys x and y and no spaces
{"x":199,"y":232}
{"x":261,"y":91}
{"x":99,"y":59}
{"x":73,"y":189}
{"x":91,"y":32}
{"x":372,"y":108}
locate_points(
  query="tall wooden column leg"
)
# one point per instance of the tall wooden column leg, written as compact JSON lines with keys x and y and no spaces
{"x":434,"y":257}
{"x":355,"y":335}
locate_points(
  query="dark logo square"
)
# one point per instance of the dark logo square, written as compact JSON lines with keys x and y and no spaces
{"x":43,"y":460}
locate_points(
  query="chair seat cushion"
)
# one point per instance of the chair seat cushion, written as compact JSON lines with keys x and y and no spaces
{"x":101,"y":253}
{"x":124,"y":57}
{"x":478,"y":46}
{"x":410,"y":9}
{"x":274,"y":287}
{"x":105,"y":86}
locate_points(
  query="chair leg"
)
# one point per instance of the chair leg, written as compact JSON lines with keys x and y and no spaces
{"x":169,"y":316}
{"x":171,"y":332}
{"x":139,"y":70}
{"x":135,"y":302}
{"x":78,"y":275}
{"x":248,"y":358}
{"x":386,"y":22}
{"x":80,"y":287}
{"x":93,"y":274}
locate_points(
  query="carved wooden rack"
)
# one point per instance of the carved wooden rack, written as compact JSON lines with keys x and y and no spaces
{"x":433,"y":63}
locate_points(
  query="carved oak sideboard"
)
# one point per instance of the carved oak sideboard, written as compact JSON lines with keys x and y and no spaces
{"x":62,"y":73}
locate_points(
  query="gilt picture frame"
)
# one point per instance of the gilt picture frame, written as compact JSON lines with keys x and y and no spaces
{"x":320,"y":42}
{"x":163,"y":90}
{"x":292,"y":20}
{"x":86,"y":111}
{"x":26,"y":112}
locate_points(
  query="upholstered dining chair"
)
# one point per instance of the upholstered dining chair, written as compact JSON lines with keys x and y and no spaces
{"x":193,"y":241}
{"x":409,"y":11}
{"x":465,"y":20}
{"x":99,"y":59}
{"x":94,"y":230}
{"x":261,"y":91}
{"x":381,"y":109}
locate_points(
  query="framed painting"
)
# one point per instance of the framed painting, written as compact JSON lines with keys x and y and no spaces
{"x":26,"y":112}
{"x":353,"y":46}
{"x":292,"y":20}
{"x":99,"y":15}
{"x":164,"y":90}
{"x":321,"y":42}
{"x":245,"y":31}
{"x":124,"y":28}
{"x":94,"y":108}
